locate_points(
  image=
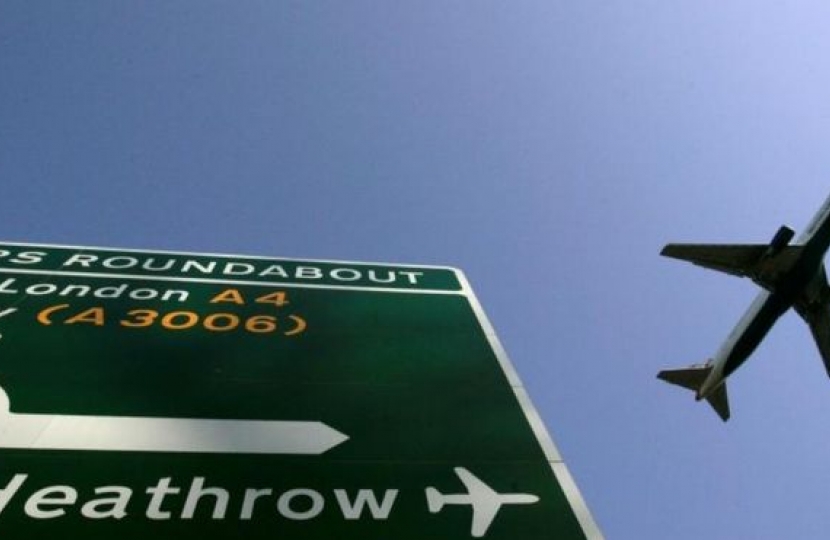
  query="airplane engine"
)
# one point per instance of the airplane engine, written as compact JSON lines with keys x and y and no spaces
{"x":780,"y":241}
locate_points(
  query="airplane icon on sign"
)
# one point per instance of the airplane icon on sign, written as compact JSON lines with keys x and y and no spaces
{"x":485,"y":501}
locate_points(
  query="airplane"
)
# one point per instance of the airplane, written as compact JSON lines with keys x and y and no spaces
{"x":791,"y":276}
{"x":485,"y":501}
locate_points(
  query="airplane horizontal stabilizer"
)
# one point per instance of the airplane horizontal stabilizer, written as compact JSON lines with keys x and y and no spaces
{"x":720,"y":402}
{"x":693,"y":378}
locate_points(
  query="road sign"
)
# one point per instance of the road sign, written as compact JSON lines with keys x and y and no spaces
{"x":175,"y":395}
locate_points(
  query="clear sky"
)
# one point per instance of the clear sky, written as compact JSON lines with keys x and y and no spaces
{"x":549,"y":149}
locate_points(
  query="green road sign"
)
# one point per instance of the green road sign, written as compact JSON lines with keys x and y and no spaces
{"x":175,"y":395}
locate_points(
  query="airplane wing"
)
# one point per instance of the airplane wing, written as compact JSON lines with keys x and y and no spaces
{"x":742,"y":260}
{"x":814,"y":308}
{"x":820,"y":327}
{"x":485,"y":501}
{"x":735,"y":259}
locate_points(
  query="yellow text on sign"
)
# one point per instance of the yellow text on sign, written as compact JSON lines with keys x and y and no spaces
{"x":175,"y":320}
{"x":277,"y":298}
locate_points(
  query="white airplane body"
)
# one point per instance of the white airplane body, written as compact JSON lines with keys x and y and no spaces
{"x":485,"y":501}
{"x":791,"y":276}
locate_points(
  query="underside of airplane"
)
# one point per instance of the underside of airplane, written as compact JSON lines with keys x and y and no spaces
{"x":790,"y":276}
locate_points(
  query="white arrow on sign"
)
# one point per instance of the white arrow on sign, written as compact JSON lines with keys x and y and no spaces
{"x":134,"y":433}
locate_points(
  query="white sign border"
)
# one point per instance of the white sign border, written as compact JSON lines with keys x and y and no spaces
{"x":563,"y":476}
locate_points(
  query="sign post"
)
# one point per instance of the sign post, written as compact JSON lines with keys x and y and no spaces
{"x":176,"y":395}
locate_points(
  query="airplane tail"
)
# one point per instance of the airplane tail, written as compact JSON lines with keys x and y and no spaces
{"x":435,"y":500}
{"x":693,"y":378}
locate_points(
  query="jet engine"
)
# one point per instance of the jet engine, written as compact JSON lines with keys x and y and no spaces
{"x":779,"y":241}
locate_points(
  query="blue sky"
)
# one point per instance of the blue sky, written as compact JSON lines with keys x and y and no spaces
{"x":549,"y":149}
